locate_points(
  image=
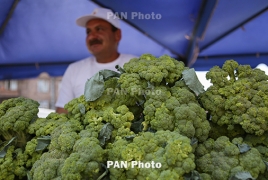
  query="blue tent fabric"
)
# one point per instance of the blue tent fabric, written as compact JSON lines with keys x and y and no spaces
{"x":42,"y":35}
{"x":5,"y":8}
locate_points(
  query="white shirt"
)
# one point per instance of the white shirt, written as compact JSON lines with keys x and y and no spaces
{"x":77,"y":73}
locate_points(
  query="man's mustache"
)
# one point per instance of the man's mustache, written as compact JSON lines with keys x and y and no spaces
{"x":95,"y":41}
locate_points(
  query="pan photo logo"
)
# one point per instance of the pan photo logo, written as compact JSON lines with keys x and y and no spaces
{"x":133,"y":164}
{"x":134,"y":15}
{"x":133,"y":91}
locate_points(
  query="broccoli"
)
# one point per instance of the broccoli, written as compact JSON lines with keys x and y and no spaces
{"x":18,"y":161}
{"x":155,"y":70}
{"x":132,"y":84}
{"x":49,"y":165}
{"x":71,"y":155}
{"x":164,"y":95}
{"x":176,"y":108}
{"x":94,"y":120}
{"x":238,"y":97}
{"x":119,"y":117}
{"x":254,"y":140}
{"x":221,"y":158}
{"x":7,"y":165}
{"x":150,"y":113}
{"x":216,"y":131}
{"x":263,"y":150}
{"x":113,"y":96}
{"x":77,"y":134}
{"x":15,"y":116}
{"x":44,"y":126}
{"x":65,"y":135}
{"x":77,"y":107}
{"x":172,"y":150}
{"x":17,"y":147}
{"x":85,"y":160}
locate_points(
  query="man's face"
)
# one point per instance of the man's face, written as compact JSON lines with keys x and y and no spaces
{"x":100,"y":37}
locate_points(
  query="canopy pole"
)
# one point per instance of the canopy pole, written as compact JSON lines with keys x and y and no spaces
{"x":205,"y":14}
{"x":234,"y":28}
{"x":13,"y":7}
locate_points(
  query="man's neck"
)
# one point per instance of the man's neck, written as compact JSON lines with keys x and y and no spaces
{"x":107,"y":58}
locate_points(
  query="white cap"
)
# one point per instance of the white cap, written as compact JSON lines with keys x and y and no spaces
{"x":99,"y":13}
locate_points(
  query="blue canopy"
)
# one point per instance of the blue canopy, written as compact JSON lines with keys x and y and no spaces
{"x":41,"y":36}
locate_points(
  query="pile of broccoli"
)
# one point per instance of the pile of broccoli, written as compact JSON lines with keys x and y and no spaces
{"x":154,"y":113}
{"x":17,"y":145}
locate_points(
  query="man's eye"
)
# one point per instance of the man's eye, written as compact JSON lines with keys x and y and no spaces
{"x":99,"y":28}
{"x":87,"y":31}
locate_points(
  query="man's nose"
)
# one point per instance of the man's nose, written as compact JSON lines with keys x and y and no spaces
{"x":92,"y":35}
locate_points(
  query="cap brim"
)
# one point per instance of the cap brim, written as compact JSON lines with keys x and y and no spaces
{"x":82,"y":21}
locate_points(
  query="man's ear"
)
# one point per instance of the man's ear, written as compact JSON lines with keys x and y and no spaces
{"x":118,"y":35}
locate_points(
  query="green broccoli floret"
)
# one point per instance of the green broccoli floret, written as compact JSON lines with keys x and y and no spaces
{"x":155,"y":69}
{"x":7,"y":165}
{"x":191,"y":121}
{"x":263,"y":150}
{"x":32,"y":153}
{"x":176,"y":108}
{"x":183,"y":94}
{"x":113,"y":96}
{"x":15,"y":116}
{"x":120,"y":117}
{"x":217,"y":76}
{"x":238,"y":97}
{"x":77,"y":108}
{"x":163,"y":119}
{"x":155,"y":109}
{"x":254,"y":140}
{"x":64,"y":136}
{"x":132,"y":84}
{"x":216,"y":131}
{"x":45,"y":126}
{"x":85,"y":160}
{"x":49,"y":165}
{"x":70,"y":146}
{"x":110,"y":87}
{"x":222,"y":158}
{"x":114,"y":154}
{"x":230,"y":67}
{"x":18,"y":161}
{"x":174,"y":68}
{"x":251,"y":160}
{"x":171,"y":150}
{"x":94,"y":120}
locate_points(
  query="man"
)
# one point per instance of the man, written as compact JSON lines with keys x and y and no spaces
{"x":103,"y":35}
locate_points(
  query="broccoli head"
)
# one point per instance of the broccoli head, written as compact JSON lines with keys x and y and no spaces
{"x":238,"y":96}
{"x":171,"y":150}
{"x":156,"y":70}
{"x":16,"y":114}
{"x":222,"y":158}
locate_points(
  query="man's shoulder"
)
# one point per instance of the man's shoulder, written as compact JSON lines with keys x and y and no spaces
{"x":81,"y":62}
{"x":128,"y":56}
